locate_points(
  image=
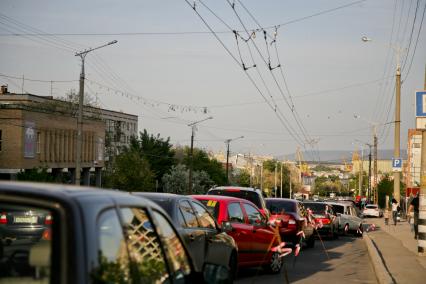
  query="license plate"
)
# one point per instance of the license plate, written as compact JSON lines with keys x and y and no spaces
{"x":25,"y":219}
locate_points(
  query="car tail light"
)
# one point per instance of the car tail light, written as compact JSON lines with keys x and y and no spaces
{"x":47,"y":235}
{"x":48,"y":220}
{"x":291,"y":223}
{"x":324,"y":221}
{"x":3,"y":218}
{"x":233,"y":190}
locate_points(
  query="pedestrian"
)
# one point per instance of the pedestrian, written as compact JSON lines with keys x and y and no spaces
{"x":394,"y":210}
{"x":386,"y":215}
{"x":414,"y":205}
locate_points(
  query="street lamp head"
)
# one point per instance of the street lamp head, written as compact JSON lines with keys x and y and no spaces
{"x":112,"y":42}
{"x":366,"y":39}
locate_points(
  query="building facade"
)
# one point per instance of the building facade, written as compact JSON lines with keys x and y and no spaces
{"x":41,"y":132}
{"x":414,"y":148}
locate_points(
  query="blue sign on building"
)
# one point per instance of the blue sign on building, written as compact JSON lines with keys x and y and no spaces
{"x":421,"y":104}
{"x":397,"y":164}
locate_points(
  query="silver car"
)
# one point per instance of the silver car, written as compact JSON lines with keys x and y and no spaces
{"x":349,"y":217}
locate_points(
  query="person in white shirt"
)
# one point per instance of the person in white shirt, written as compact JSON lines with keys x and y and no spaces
{"x":394,"y":210}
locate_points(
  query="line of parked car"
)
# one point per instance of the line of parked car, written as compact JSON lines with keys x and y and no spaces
{"x":60,"y":234}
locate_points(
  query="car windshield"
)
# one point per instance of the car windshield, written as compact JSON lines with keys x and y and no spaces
{"x":280,"y":206}
{"x":164,"y":203}
{"x":244,"y":194}
{"x":317,"y":208}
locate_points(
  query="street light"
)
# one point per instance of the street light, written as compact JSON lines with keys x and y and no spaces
{"x":193,"y":126}
{"x":227,"y":142}
{"x":82,"y":56}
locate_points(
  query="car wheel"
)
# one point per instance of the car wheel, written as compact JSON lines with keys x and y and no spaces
{"x":275,"y":263}
{"x":233,"y":267}
{"x":346,"y":229}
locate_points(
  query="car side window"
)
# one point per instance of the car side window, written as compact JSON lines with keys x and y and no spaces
{"x":147,"y":260}
{"x":26,"y":244}
{"x":254,"y":216}
{"x":176,"y":255}
{"x":204,"y":218}
{"x":112,"y":251}
{"x":235,"y":213}
{"x":188,"y":214}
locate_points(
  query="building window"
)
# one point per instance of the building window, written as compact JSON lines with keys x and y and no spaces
{"x":38,"y":142}
{"x":1,"y":139}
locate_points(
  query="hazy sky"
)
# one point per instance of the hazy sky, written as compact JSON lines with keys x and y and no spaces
{"x":331,"y":74}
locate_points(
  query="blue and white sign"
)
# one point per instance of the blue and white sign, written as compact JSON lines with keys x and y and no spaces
{"x":397,"y":164}
{"x":421,"y":104}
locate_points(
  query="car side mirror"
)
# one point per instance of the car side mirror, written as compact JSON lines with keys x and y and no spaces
{"x":227,"y":227}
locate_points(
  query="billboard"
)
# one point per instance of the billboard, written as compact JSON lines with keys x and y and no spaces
{"x":30,"y":136}
{"x":421,"y":104}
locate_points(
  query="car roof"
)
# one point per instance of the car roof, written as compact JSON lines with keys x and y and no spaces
{"x":236,"y":187}
{"x":65,"y":192}
{"x":288,"y":200}
{"x":219,"y":197}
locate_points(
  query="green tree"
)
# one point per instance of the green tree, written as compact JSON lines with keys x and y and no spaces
{"x":39,"y":174}
{"x":385,"y":187}
{"x":243,"y":178}
{"x":131,"y":172}
{"x":176,"y":181}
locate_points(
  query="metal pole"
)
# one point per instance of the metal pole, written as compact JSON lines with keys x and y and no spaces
{"x":421,"y":247}
{"x":276,"y":163}
{"x":361,"y":170}
{"x":290,"y":183}
{"x":281,"y":188}
{"x":80,"y":123}
{"x":261,"y":177}
{"x":396,"y":154}
{"x":369,"y":172}
{"x":191,"y":160}
{"x":227,"y":160}
{"x":376,"y":191}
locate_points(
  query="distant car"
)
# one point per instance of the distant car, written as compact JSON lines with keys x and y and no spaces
{"x":17,"y":223}
{"x":372,"y":210}
{"x":250,"y":229}
{"x":251,"y":194}
{"x":97,"y":236}
{"x":327,"y":220}
{"x":349,"y":219}
{"x":290,"y":217}
{"x":205,"y":241}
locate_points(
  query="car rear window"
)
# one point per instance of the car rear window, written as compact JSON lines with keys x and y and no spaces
{"x":244,"y":194}
{"x":317,"y":208}
{"x":164,"y":203}
{"x":212,"y":206}
{"x":339,"y":209}
{"x":277,"y":206}
{"x":371,"y":206}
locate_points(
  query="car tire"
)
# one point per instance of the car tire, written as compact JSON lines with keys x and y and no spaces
{"x":275,"y":263}
{"x":233,"y":267}
{"x":310,"y":243}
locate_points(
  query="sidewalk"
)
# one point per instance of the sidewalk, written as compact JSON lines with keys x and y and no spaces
{"x":397,"y":249}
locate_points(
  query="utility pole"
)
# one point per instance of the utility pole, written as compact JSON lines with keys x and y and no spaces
{"x":261,"y":177}
{"x":276,"y":165}
{"x":375,"y":144}
{"x":227,"y":142}
{"x":290,"y":184}
{"x":361,"y":171}
{"x":82,"y":56}
{"x":369,"y":172}
{"x":193,"y":126}
{"x":421,"y":247}
{"x":281,"y":187}
{"x":396,"y":154}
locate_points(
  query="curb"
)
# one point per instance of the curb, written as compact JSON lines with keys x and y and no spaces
{"x":382,"y":274}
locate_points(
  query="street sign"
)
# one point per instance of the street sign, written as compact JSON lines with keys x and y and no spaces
{"x":421,"y":104}
{"x":397,"y":164}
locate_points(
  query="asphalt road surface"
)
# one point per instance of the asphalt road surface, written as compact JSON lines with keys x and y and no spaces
{"x":348,"y":263}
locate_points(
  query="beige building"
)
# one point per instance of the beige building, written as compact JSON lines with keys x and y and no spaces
{"x":414,"y":157}
{"x":38,"y":131}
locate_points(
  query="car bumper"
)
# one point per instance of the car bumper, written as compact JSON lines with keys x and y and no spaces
{"x":21,"y":232}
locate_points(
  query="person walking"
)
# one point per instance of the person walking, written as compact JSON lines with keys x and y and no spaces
{"x":394,"y":210}
{"x":414,"y":206}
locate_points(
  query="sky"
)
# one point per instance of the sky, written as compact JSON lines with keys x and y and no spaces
{"x":170,"y":69}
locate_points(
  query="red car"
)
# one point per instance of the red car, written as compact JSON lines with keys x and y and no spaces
{"x":291,"y":218}
{"x":250,"y":229}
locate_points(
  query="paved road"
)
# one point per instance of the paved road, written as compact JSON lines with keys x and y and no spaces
{"x":349,"y":263}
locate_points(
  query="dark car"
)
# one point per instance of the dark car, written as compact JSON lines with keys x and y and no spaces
{"x":205,"y":241}
{"x":97,"y":236}
{"x":291,"y":217}
{"x":324,"y":217}
{"x":251,"y":194}
{"x":17,"y":223}
{"x":250,"y":229}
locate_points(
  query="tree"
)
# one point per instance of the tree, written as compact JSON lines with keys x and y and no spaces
{"x":243,"y":178}
{"x":176,"y":181}
{"x":36,"y":174}
{"x":385,"y":187}
{"x":131,"y":172}
{"x":202,"y":162}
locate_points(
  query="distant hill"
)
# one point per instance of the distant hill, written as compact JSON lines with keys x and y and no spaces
{"x":334,"y":156}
